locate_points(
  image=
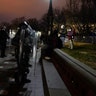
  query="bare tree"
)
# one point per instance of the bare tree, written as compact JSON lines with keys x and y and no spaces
{"x":87,"y":11}
{"x":73,"y":7}
{"x":15,"y":22}
{"x":33,"y":23}
{"x":59,"y":17}
{"x":43,"y":24}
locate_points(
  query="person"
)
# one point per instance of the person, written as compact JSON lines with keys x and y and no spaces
{"x":3,"y":40}
{"x":56,"y":42}
{"x":70,"y":37}
{"x":23,"y":45}
{"x":52,"y":42}
{"x":63,"y":35}
{"x":60,"y":44}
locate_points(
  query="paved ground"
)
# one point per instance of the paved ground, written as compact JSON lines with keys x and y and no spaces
{"x":56,"y":86}
{"x":8,"y":87}
{"x":35,"y":88}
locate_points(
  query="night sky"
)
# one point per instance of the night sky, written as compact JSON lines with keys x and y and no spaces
{"x":11,"y":9}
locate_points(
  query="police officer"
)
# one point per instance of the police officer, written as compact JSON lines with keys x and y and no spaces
{"x":23,"y":44}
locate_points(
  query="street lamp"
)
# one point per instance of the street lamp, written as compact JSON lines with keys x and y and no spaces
{"x":50,"y":17}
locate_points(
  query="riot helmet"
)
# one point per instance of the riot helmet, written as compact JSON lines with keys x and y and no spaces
{"x":23,"y":25}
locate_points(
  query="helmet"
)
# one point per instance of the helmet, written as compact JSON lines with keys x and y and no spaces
{"x":62,"y":26}
{"x":23,"y":25}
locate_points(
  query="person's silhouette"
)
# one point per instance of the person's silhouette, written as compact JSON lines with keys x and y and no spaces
{"x":3,"y":39}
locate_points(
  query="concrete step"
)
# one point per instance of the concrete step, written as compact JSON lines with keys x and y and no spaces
{"x":55,"y":84}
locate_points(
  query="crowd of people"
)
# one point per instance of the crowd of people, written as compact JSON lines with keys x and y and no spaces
{"x":23,"y":41}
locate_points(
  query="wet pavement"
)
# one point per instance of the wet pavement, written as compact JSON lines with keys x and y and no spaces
{"x":8,"y":86}
{"x":37,"y":87}
{"x":7,"y":70}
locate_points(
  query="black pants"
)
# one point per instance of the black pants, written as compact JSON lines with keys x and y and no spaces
{"x":3,"y":48}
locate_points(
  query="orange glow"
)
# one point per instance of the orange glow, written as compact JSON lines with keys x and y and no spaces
{"x":27,"y":8}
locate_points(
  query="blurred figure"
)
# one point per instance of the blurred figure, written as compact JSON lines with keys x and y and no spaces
{"x":3,"y":40}
{"x":23,"y":45}
{"x":56,"y":41}
{"x":70,"y":37}
{"x":63,"y":35}
{"x":52,"y":42}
